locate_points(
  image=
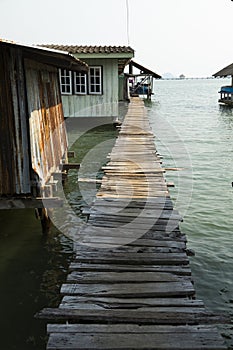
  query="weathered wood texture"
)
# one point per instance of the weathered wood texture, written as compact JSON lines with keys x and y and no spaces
{"x":130,"y":284}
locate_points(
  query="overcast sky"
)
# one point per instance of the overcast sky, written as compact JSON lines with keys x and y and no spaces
{"x":191,"y":37}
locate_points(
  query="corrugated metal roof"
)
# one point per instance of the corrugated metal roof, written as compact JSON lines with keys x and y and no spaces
{"x":228,"y":70}
{"x":75,"y":49}
{"x":144,"y":69}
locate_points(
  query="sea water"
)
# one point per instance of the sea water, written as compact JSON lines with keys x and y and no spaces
{"x":195,"y":137}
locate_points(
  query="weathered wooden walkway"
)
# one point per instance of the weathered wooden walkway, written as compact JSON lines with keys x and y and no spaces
{"x":130,"y":286}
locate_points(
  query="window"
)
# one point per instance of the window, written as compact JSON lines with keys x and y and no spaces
{"x":95,"y":80}
{"x":80,"y":83}
{"x":65,"y":81}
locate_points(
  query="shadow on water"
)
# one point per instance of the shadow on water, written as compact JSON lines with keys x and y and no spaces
{"x":32,"y":268}
{"x":226,"y":115}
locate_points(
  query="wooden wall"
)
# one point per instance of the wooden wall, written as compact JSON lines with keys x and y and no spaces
{"x":14,"y":143}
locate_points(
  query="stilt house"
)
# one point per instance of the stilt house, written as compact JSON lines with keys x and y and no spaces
{"x":33,"y":140}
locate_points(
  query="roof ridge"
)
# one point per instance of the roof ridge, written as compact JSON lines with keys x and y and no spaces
{"x":90,"y":48}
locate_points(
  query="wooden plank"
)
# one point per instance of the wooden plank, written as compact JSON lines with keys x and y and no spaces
{"x":97,"y":302}
{"x":120,"y":277}
{"x":132,"y":232}
{"x":163,"y":200}
{"x":120,"y":341}
{"x":191,"y":317}
{"x":133,"y":290}
{"x":127,"y":248}
{"x":70,"y":166}
{"x":158,"y":243}
{"x":133,"y":258}
{"x":111,"y":241}
{"x":144,"y":213}
{"x":178,"y":270}
{"x":137,"y":224}
{"x":101,"y":247}
{"x":107,"y":341}
{"x":129,"y":328}
{"x":30,"y":202}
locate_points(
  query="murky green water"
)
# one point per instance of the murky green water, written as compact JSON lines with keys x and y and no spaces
{"x":31,"y":270}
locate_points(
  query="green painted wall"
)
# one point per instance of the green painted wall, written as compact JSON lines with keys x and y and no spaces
{"x":96,"y":105}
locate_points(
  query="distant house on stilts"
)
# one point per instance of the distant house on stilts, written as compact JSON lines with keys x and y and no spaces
{"x":226,"y":92}
{"x":141,"y":83}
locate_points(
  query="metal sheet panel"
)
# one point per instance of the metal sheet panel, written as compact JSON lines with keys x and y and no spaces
{"x":47,"y":130}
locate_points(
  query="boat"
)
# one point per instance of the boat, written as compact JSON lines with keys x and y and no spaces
{"x":141,"y":88}
{"x":226,"y":95}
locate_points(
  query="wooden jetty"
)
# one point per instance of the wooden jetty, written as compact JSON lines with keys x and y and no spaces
{"x":130,"y":284}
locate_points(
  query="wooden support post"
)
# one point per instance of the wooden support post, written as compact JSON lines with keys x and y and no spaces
{"x":43,"y":215}
{"x":30,"y":202}
{"x":71,"y":154}
{"x":70,"y":166}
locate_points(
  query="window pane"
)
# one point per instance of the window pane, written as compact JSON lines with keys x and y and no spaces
{"x":80,"y":83}
{"x":95,"y":80}
{"x":65,"y":81}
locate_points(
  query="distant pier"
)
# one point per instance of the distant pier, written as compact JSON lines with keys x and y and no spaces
{"x":130,"y":284}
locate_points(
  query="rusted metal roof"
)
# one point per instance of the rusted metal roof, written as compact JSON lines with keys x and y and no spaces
{"x":75,"y":49}
{"x":62,"y":59}
{"x":228,"y":70}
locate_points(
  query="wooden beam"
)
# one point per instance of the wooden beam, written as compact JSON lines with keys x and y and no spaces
{"x":23,"y":203}
{"x":71,"y":154}
{"x":69,"y":166}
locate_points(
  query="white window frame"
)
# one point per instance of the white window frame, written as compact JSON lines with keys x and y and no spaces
{"x":92,"y":87}
{"x":80,"y":84}
{"x":65,"y":74}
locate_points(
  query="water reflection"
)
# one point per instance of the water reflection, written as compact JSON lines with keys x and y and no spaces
{"x":226,"y":116}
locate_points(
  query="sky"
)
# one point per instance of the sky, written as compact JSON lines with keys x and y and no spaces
{"x":190,"y":37}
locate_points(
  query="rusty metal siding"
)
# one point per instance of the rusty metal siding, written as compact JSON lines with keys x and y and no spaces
{"x":14,"y":158}
{"x":46,"y":121}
